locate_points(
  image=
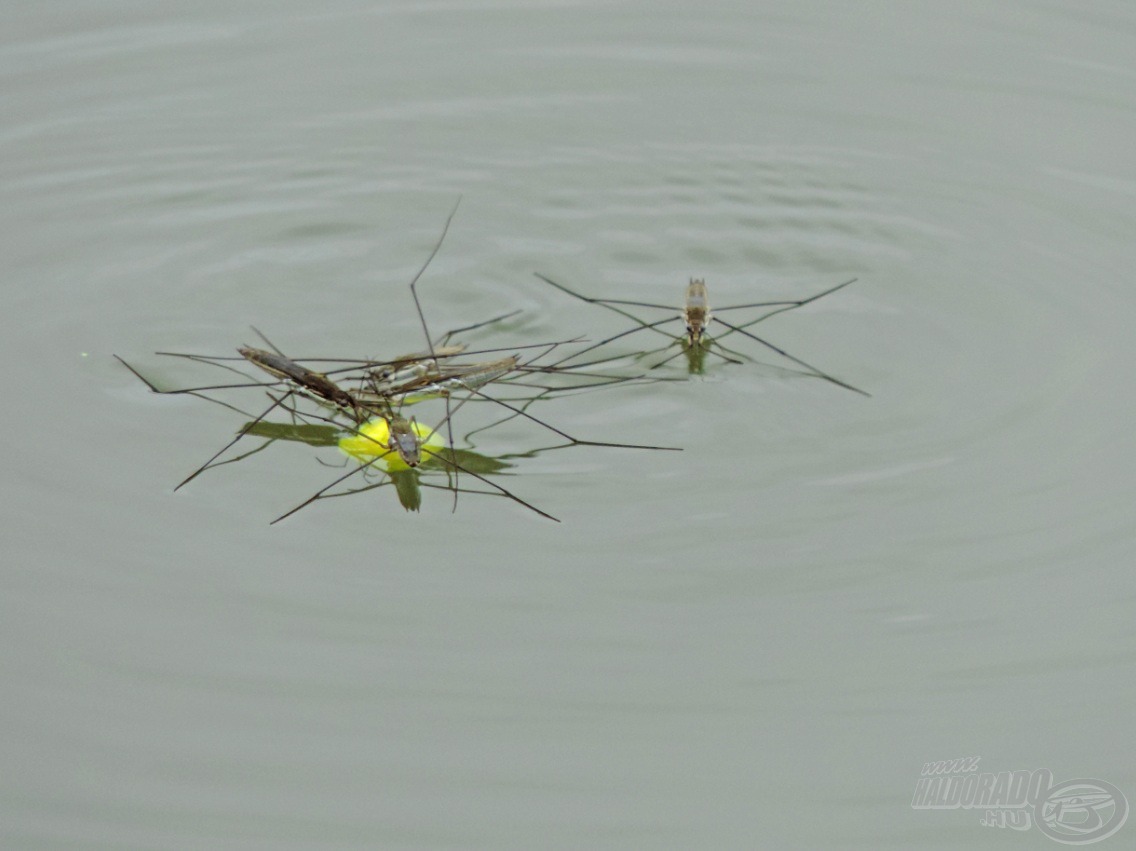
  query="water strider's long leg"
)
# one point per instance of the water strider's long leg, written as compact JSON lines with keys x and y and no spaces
{"x":446,"y":337}
{"x":266,"y":341}
{"x":671,"y":307}
{"x":453,"y":454}
{"x":414,"y":280}
{"x":452,"y":461}
{"x":243,"y":431}
{"x":213,"y":360}
{"x":525,"y":403}
{"x":579,"y":366}
{"x":505,"y":492}
{"x":793,"y":305}
{"x":654,"y":326}
{"x":790,"y":305}
{"x":193,"y":391}
{"x":784,"y":304}
{"x":386,"y":479}
{"x":624,"y":313}
{"x":197,"y":392}
{"x":784,"y":307}
{"x":352,"y":472}
{"x":268,"y":442}
{"x":591,"y":300}
{"x":818,"y":373}
{"x":573,"y":440}
{"x":607,"y":381}
{"x":715,"y":341}
{"x":547,"y":391}
{"x":328,"y":487}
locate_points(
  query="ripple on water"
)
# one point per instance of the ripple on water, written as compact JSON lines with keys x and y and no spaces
{"x":723,"y":211}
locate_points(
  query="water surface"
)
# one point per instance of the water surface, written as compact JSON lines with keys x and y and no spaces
{"x":756,"y":642}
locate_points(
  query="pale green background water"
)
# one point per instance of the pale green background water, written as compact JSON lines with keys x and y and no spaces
{"x":755,"y":643}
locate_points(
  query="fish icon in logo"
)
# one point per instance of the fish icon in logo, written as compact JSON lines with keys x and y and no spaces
{"x":1080,"y":812}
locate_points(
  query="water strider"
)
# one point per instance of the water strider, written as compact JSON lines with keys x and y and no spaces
{"x":303,"y":379}
{"x":696,"y":315}
{"x":428,"y":377}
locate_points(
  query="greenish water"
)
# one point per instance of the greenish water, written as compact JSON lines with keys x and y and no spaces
{"x":756,"y":642}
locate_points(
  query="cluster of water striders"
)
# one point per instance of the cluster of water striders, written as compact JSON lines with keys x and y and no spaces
{"x":358,"y":405}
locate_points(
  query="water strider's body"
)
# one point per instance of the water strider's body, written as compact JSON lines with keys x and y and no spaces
{"x":287,"y":369}
{"x":696,"y":311}
{"x":395,"y":369}
{"x":404,"y":440}
{"x":430,"y":378}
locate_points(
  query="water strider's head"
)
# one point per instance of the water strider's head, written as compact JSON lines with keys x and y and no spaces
{"x":696,"y":311}
{"x":397,"y":442}
{"x":389,"y":378}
